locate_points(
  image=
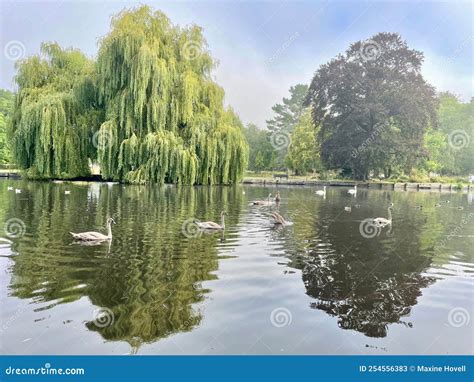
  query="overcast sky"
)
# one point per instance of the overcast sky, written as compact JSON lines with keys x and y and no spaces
{"x":262,"y":47}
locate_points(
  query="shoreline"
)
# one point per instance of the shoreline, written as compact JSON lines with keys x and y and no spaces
{"x":362,"y":184}
{"x":263,"y":181}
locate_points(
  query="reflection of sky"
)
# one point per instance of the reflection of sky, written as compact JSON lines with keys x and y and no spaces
{"x":264,"y":48}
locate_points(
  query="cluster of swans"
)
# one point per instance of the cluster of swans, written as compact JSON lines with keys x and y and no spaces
{"x":352,"y":191}
{"x":277,"y":219}
{"x":97,"y":237}
{"x":17,"y":190}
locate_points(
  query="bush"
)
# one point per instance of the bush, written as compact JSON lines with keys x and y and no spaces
{"x":419,"y":176}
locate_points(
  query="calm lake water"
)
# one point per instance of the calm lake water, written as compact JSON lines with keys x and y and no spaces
{"x":316,"y":286}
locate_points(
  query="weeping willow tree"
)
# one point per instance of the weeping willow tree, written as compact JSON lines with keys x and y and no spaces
{"x":165,"y":120}
{"x":147,"y":110}
{"x":54,"y":113}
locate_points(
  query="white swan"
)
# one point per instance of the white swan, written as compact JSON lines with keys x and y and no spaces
{"x":211,"y":225}
{"x":382,"y":222}
{"x":263,"y":202}
{"x":348,"y":209}
{"x":17,"y":191}
{"x":10,"y":188}
{"x":95,"y":236}
{"x":321,"y":192}
{"x":67,"y":192}
{"x":353,"y":191}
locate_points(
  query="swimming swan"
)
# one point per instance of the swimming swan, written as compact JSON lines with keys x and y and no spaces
{"x":353,"y":191}
{"x":95,"y":236}
{"x":321,"y":192}
{"x":263,"y":202}
{"x":211,"y":225}
{"x":382,"y":222}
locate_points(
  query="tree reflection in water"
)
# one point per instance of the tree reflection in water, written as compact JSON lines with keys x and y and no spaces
{"x":366,"y":283}
{"x":150,"y":280}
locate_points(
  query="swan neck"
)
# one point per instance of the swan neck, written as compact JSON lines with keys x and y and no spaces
{"x":222,"y":221}
{"x":390,"y":213}
{"x":109,"y":229}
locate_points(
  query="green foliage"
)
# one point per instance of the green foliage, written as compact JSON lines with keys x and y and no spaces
{"x":6,"y":108}
{"x":165,"y":120}
{"x":260,"y":149}
{"x":259,"y":162}
{"x":51,"y":136}
{"x":289,"y":112}
{"x":373,"y":106}
{"x":287,"y":115}
{"x":303,"y":153}
{"x":450,"y":147}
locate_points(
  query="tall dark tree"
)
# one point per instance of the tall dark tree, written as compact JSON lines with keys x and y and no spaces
{"x":373,"y":106}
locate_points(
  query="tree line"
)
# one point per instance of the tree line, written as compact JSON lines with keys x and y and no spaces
{"x":147,"y":110}
{"x":368,"y":112}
